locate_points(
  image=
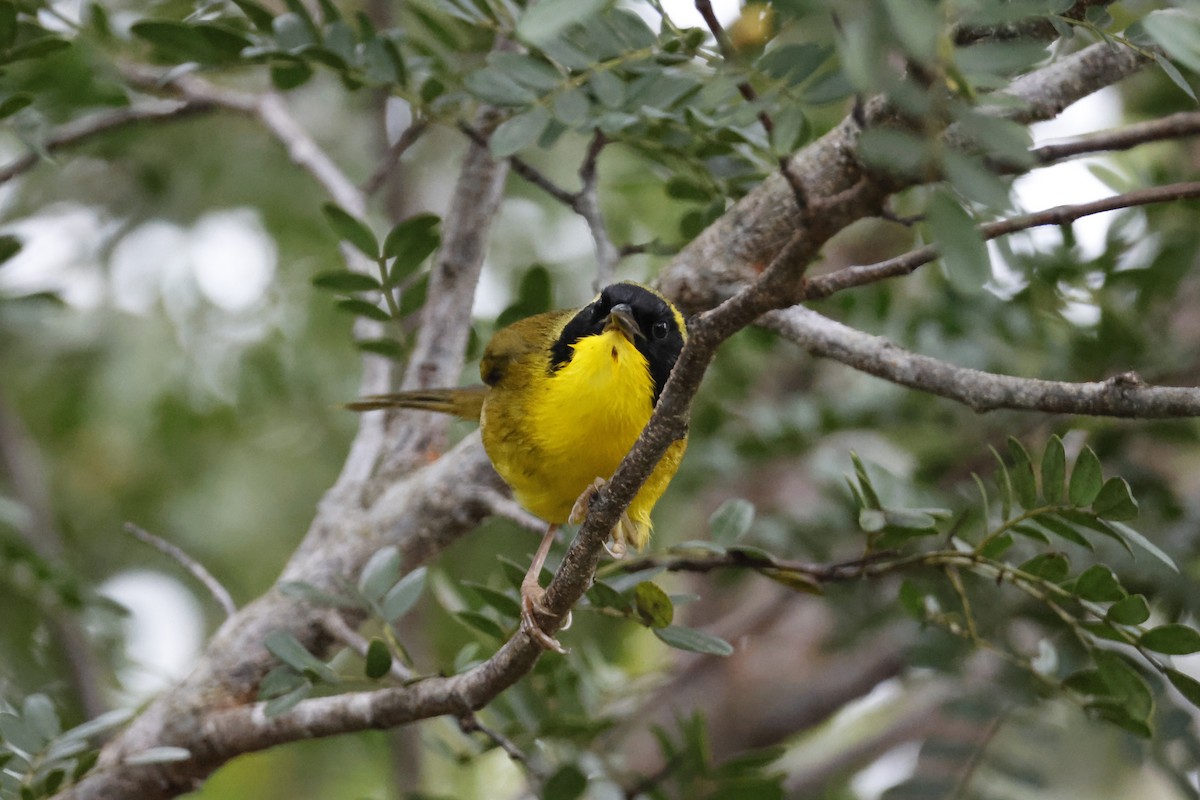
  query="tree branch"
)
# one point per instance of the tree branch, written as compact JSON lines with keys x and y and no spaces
{"x":403,"y":142}
{"x":587,"y":204}
{"x":1175,"y":126}
{"x":194,"y":567}
{"x":79,"y":131}
{"x":1121,"y":396}
{"x":848,"y":277}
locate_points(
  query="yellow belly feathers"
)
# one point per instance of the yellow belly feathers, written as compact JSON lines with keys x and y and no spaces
{"x":591,"y":413}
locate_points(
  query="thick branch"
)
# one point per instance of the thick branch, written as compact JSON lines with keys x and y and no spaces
{"x":1121,"y":396}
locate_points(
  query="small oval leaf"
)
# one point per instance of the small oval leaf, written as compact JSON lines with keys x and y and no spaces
{"x":1086,"y":479}
{"x":653,"y":606}
{"x":1172,"y":639}
{"x":351,"y":229}
{"x":682,"y":638}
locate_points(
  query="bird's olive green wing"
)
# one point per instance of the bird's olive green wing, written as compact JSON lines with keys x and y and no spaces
{"x":520,"y":346}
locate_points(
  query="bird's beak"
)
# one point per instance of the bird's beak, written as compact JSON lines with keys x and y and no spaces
{"x":621,"y":319}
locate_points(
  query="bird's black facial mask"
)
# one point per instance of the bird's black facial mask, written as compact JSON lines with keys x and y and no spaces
{"x":661,"y":338}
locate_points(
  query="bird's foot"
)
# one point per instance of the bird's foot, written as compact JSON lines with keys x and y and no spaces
{"x":531,"y":608}
{"x":584,"y":502}
{"x":618,"y":548}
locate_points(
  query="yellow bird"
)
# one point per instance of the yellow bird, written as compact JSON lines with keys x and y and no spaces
{"x":567,"y":394}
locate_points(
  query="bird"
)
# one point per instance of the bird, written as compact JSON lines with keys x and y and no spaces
{"x":565,"y":395}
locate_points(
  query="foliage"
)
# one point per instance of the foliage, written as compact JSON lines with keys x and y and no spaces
{"x":993,"y":549}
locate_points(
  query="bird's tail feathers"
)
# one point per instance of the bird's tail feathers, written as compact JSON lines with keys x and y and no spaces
{"x":465,"y":402}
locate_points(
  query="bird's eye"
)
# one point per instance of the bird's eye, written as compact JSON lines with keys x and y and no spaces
{"x":660,"y":329}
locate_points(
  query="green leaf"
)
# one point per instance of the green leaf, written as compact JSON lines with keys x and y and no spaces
{"x":912,"y":600}
{"x":17,"y":733}
{"x":1054,"y":470}
{"x":567,"y":783}
{"x":1129,"y":534}
{"x":414,"y":296}
{"x":1063,"y":530}
{"x":1030,"y":532}
{"x":1004,"y":484}
{"x":602,"y":595}
{"x":1098,"y":583}
{"x":378,"y":660}
{"x":1115,"y":501}
{"x":504,"y":605}
{"x":963,"y":253}
{"x":794,"y":63}
{"x":497,"y":88}
{"x":519,"y":132}
{"x":527,"y":70}
{"x":290,"y":74}
{"x":404,"y":595}
{"x":1124,"y":683}
{"x":1119,"y":715}
{"x":682,"y":638}
{"x":14,"y":103}
{"x":8,"y":24}
{"x":388,"y":348}
{"x":872,"y":520}
{"x":204,"y":42}
{"x":157,"y":755}
{"x":362,"y":308}
{"x":1133,"y":610}
{"x":571,"y":107}
{"x":482,"y":623}
{"x":1172,"y":72}
{"x":38,"y":712}
{"x":410,"y":243}
{"x":287,"y":648}
{"x":1024,"y":483}
{"x":997,"y":547}
{"x":1186,"y":685}
{"x":343,"y":280}
{"x":870,"y":498}
{"x":352,"y":230}
{"x":653,"y":606}
{"x":1177,"y":30}
{"x":286,"y":702}
{"x":545,"y":21}
{"x":1173,"y":639}
{"x":37,"y":48}
{"x":259,"y":16}
{"x":318,"y":597}
{"x":381,"y":571}
{"x":1052,"y":567}
{"x":731,"y":520}
{"x":1086,"y":479}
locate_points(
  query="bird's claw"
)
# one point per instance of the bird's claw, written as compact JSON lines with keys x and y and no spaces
{"x":584,"y":502}
{"x":531,"y":606}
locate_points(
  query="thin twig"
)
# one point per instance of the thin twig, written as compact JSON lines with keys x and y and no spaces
{"x":749,"y":95}
{"x":511,"y":510}
{"x":341,"y":631}
{"x":78,"y":131}
{"x":1175,"y":126}
{"x":469,"y":723}
{"x":406,"y":140}
{"x":524,"y":169}
{"x":587,"y":205}
{"x":825,"y":285}
{"x":194,"y":567}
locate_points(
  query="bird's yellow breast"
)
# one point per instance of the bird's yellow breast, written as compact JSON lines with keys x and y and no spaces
{"x":580,"y":421}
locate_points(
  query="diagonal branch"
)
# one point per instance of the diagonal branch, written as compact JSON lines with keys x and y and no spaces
{"x":1121,"y":396}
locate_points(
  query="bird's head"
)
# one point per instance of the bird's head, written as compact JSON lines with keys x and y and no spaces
{"x":647,"y":319}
